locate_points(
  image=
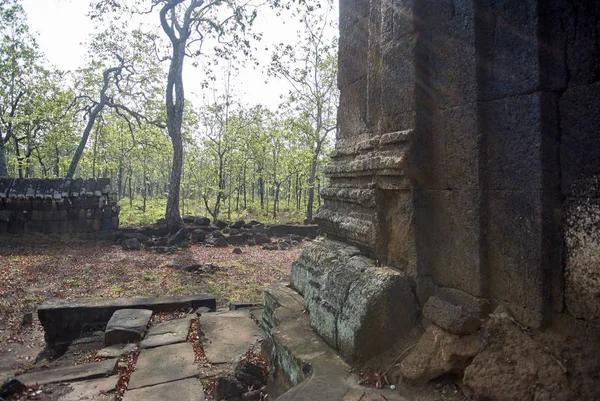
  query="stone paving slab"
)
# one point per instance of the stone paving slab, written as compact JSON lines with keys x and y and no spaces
{"x":164,"y":364}
{"x":127,"y":325}
{"x":181,"y":390}
{"x":115,"y":351}
{"x":70,"y":373}
{"x":227,"y":335}
{"x":90,"y":390}
{"x":171,"y":332}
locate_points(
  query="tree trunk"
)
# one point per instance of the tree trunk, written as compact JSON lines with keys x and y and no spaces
{"x":311,"y":190}
{"x":175,"y":105}
{"x":3,"y":169}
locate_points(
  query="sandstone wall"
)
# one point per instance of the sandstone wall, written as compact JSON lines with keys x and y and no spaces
{"x":81,"y":208}
{"x":468,"y":151}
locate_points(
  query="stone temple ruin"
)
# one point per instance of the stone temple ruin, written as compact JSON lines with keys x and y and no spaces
{"x":76,"y":208}
{"x":465,"y":172}
{"x":461,"y":221}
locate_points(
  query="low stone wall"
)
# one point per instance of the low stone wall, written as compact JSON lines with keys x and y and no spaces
{"x":82,"y":208}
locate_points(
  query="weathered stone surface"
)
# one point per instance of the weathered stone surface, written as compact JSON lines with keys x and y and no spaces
{"x":170,"y":332}
{"x":227,"y":335}
{"x":65,"y":319}
{"x":220,"y":224}
{"x":92,"y":390}
{"x":163,"y":365}
{"x":116,"y":350}
{"x":177,"y":237}
{"x":198,"y":235}
{"x":284,"y":230}
{"x":127,"y":325}
{"x":228,"y":388}
{"x":180,"y":390}
{"x":439,"y":353}
{"x":357,"y":307}
{"x":452,"y":318}
{"x":582,"y":265}
{"x":515,"y":367}
{"x":238,"y":239}
{"x":306,"y":369}
{"x":261,"y":238}
{"x":217,"y":241}
{"x":131,"y":244}
{"x":70,"y":373}
{"x":250,"y":374}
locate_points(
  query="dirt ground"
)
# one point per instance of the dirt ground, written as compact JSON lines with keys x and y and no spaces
{"x":34,"y":271}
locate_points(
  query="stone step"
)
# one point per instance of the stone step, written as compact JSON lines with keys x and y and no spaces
{"x":65,"y":319}
{"x":164,"y":364}
{"x":228,"y":335}
{"x":127,"y":326}
{"x":180,"y":390}
{"x":70,"y":373}
{"x":171,"y":332}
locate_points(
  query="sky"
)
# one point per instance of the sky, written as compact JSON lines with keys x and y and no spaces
{"x":63,"y":27}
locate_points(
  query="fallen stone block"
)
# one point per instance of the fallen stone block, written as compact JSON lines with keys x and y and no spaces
{"x":439,"y":353}
{"x":127,"y":326}
{"x":180,"y":390}
{"x":70,"y":373}
{"x":452,"y":318}
{"x":170,"y":332}
{"x":358,"y":307}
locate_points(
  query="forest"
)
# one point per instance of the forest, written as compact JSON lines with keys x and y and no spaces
{"x":126,"y":113}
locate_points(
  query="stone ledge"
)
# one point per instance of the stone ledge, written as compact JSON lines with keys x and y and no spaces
{"x":306,"y":368}
{"x":65,"y":319}
{"x":305,"y":365}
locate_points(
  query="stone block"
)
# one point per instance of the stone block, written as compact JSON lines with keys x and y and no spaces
{"x":169,"y":332}
{"x":454,"y":319}
{"x":580,"y":22}
{"x":446,"y":54}
{"x":509,"y":57}
{"x":353,"y":50}
{"x":398,"y":96}
{"x":524,"y":252}
{"x":398,"y":19}
{"x":580,"y":142}
{"x":521,"y":141}
{"x":127,"y":325}
{"x":449,"y":239}
{"x":352,"y":114}
{"x":343,"y":289}
{"x":439,"y":353}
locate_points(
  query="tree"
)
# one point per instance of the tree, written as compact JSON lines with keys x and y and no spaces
{"x":310,"y":67}
{"x":19,"y":62}
{"x":188,"y":24}
{"x":128,"y":77}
